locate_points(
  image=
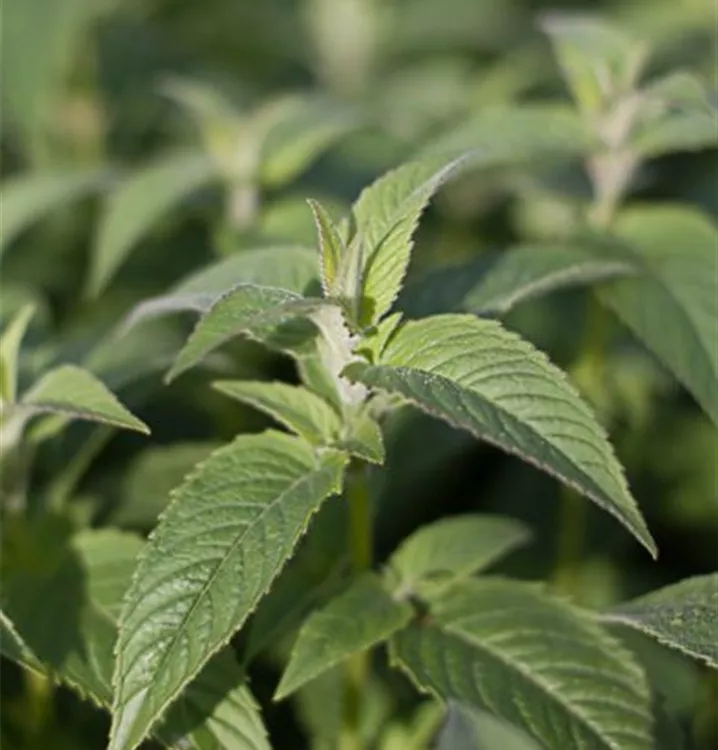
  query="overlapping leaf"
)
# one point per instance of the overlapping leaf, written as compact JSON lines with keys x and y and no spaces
{"x":76,"y":393}
{"x":683,"y":616}
{"x":672,"y":305}
{"x":199,"y":579}
{"x":295,"y":407}
{"x":478,"y":376}
{"x":507,"y":648}
{"x":247,"y":309}
{"x":450,"y":549}
{"x":361,"y":617}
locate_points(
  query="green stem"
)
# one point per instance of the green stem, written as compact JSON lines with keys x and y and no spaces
{"x":361,"y":549}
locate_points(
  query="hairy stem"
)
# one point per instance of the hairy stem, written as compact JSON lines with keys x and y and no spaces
{"x":361,"y":550}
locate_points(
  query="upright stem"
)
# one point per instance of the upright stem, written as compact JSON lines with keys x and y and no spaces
{"x":361,"y":549}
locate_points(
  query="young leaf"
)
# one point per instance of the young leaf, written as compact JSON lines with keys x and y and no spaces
{"x":529,"y":271}
{"x":693,"y":130}
{"x":672,"y":306}
{"x":137,"y":204}
{"x":505,"y":647}
{"x":10,"y":342}
{"x":198,"y":580}
{"x":358,"y":619}
{"x":598,"y":61}
{"x":248,"y":310}
{"x":363,"y":437}
{"x":76,"y":393}
{"x":331,"y":249}
{"x":28,"y":198}
{"x":475,"y":375}
{"x":295,"y":407}
{"x":387,"y":214}
{"x":683,"y":616}
{"x":437,"y":555}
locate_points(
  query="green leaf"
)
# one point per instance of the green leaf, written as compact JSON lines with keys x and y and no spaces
{"x":598,"y":61}
{"x":672,"y":306}
{"x":373,"y":343}
{"x":517,"y":135}
{"x":76,"y":393}
{"x":286,"y":267}
{"x":10,"y":343}
{"x":386,"y":215}
{"x":331,"y":249}
{"x":477,"y":376}
{"x":437,"y":555}
{"x":358,"y":619}
{"x":295,"y":407}
{"x":307,"y":128}
{"x":248,"y":310}
{"x":199,"y":580}
{"x":139,"y":201}
{"x":676,"y":131}
{"x":27,"y":198}
{"x":529,"y":271}
{"x":505,"y":647}
{"x":683,"y":616}
{"x":470,"y":729}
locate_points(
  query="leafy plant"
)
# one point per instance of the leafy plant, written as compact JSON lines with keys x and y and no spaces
{"x":266,"y":555}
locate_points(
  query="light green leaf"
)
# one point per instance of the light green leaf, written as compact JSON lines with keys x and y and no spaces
{"x":76,"y":393}
{"x":198,"y":580}
{"x":10,"y":343}
{"x":517,"y":135}
{"x":248,"y":310}
{"x":295,"y":407}
{"x":137,"y":203}
{"x":151,"y":476}
{"x":286,"y":267}
{"x":528,"y":271}
{"x":331,"y":249}
{"x":358,"y":619}
{"x":676,"y":131}
{"x":598,"y":61}
{"x":27,"y":198}
{"x":683,"y":616}
{"x":672,"y":307}
{"x":386,"y":215}
{"x":507,"y":648}
{"x":373,"y":343}
{"x":437,"y":555}
{"x":477,"y":376}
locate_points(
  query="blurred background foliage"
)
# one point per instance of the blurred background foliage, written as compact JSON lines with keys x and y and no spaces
{"x":143,"y":140}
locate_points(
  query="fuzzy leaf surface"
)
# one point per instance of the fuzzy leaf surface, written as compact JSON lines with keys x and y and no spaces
{"x":138,"y":202}
{"x":507,"y":648}
{"x":249,"y":310}
{"x":683,"y":616}
{"x":331,"y":248}
{"x":199,"y":579}
{"x":387,"y":214}
{"x":477,"y":376}
{"x":297,"y":408}
{"x":361,"y":617}
{"x":453,"y":548}
{"x":672,"y":306}
{"x":71,"y":391}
